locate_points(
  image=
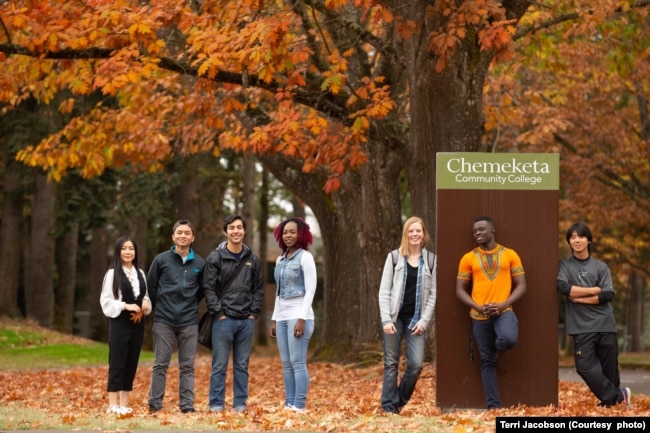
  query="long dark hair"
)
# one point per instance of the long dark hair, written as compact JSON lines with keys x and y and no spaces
{"x":305,"y":237}
{"x":116,"y":263}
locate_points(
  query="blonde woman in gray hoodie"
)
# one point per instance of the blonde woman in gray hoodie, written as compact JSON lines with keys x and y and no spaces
{"x":407,"y":298}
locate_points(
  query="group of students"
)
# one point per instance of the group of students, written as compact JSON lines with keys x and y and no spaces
{"x":490,"y":280}
{"x":230,"y":280}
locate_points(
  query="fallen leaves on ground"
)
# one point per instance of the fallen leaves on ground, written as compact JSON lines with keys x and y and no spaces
{"x":341,"y":399}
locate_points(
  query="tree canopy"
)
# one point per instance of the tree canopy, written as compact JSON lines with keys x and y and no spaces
{"x":339,"y":97}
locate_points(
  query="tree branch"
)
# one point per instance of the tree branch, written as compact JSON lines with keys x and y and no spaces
{"x":522,"y":31}
{"x":361,"y":33}
{"x":312,"y":96}
{"x":6,"y":30}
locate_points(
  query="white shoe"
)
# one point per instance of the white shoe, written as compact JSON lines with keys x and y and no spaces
{"x":126,"y":410}
{"x":297,"y":410}
{"x":115,"y":410}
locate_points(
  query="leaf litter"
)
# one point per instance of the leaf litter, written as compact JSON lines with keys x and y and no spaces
{"x":341,"y":398}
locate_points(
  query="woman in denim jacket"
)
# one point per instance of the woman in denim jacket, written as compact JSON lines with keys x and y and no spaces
{"x":407,"y":297}
{"x":292,"y":322}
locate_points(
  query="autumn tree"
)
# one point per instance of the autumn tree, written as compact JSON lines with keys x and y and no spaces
{"x":582,"y":90}
{"x":336,"y":97}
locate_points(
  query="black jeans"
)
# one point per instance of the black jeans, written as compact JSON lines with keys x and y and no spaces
{"x":596,"y":358}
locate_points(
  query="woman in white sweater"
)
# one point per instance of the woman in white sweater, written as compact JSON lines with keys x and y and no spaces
{"x":124,"y":301}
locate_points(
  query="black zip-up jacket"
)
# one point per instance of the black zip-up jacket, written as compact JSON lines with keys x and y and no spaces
{"x":246,"y":292}
{"x":175,"y":288}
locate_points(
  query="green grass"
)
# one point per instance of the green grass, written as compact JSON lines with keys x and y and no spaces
{"x":9,"y":338}
{"x":54,"y":356}
{"x":58,"y":356}
{"x":25,"y":346}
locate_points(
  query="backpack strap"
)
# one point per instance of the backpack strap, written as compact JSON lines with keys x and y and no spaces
{"x":394,"y":254}
{"x":431,"y":258}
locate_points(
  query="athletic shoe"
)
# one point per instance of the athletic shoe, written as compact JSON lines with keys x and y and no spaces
{"x":298,"y":409}
{"x":627,"y":396}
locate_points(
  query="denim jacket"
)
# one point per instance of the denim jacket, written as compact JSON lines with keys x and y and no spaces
{"x":289,"y":277}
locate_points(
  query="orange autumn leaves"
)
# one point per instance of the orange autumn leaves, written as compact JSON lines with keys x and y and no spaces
{"x":136,"y":316}
{"x":341,"y":398}
{"x":226,"y":59}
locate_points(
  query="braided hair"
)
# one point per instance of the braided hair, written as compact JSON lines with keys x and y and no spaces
{"x":305,"y":237}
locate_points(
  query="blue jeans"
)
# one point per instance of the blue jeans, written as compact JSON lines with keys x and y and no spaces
{"x":394,"y":397}
{"x":293,"y":353}
{"x":492,"y":336}
{"x":238,"y":334}
{"x":164,"y":337}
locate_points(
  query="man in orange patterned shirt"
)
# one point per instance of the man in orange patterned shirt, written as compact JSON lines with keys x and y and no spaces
{"x":490,"y":279}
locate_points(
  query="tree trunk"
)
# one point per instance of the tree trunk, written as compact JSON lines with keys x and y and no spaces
{"x":446,"y":107}
{"x":99,"y":262}
{"x":341,"y":279}
{"x":298,"y":208}
{"x":248,"y":199}
{"x":359,"y":224}
{"x":66,"y":264}
{"x":341,"y":257}
{"x":11,"y":229}
{"x":269,"y":284}
{"x":379,"y":226}
{"x":199,"y":198}
{"x":39,"y":275}
{"x":446,"y":110}
{"x":635,"y":313}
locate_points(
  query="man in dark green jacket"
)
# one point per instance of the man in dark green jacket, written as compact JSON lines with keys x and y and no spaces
{"x":174,"y":284}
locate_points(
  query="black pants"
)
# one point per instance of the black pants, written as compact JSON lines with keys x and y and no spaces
{"x":596,"y":358}
{"x":124,"y":344}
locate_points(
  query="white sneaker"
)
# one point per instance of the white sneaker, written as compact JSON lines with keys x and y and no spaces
{"x":297,"y":409}
{"x":115,"y":410}
{"x":126,"y":410}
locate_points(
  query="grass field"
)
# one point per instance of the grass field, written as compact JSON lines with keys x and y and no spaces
{"x":24,"y":345}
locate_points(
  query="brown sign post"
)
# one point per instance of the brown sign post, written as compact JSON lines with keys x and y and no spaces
{"x":520,"y":193}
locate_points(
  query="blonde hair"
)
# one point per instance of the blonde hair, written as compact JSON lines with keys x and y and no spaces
{"x":404,"y":245}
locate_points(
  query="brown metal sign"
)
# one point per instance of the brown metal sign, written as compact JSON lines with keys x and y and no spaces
{"x":526,"y":220}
